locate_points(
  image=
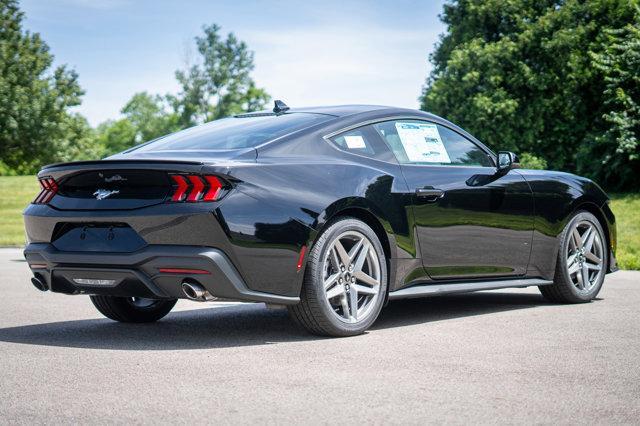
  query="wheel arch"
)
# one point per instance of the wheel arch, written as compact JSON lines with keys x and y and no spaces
{"x":372,"y":221}
{"x":360,"y":209}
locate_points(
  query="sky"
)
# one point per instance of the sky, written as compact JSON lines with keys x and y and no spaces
{"x":307,"y":53}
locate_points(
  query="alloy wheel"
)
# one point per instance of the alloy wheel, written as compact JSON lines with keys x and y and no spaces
{"x":585,"y":256}
{"x":351,"y":276}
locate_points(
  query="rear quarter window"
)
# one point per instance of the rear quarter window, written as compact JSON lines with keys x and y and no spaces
{"x":364,"y":141}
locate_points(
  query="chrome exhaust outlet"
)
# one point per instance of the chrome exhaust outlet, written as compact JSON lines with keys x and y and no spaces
{"x":195,"y":291}
{"x":39,"y":284}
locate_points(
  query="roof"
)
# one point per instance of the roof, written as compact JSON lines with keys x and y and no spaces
{"x":340,"y":110}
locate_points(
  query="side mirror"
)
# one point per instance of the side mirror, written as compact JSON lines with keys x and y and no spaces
{"x":507,"y":161}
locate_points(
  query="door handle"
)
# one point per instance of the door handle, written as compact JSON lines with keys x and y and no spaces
{"x":431,"y":194}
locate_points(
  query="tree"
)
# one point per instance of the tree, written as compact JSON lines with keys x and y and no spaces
{"x":530,"y":161}
{"x":151,"y":116}
{"x":34,"y":102}
{"x":614,"y":156}
{"x":520,"y":74}
{"x":115,"y":136}
{"x":146,"y":117}
{"x":220,"y":85}
{"x":80,"y":142}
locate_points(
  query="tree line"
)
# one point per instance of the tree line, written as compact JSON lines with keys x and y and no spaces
{"x":37,"y":122}
{"x":557,"y":81}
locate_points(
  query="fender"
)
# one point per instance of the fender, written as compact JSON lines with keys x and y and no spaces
{"x":360,"y":203}
{"x":557,"y":195}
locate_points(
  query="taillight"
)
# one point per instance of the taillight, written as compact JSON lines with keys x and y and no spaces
{"x":181,"y":190}
{"x":196,"y":188}
{"x":49,"y":187}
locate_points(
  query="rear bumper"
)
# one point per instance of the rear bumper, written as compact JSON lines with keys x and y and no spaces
{"x":138,"y":274}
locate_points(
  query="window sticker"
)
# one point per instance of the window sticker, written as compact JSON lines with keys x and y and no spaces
{"x":355,"y":142}
{"x":422,"y":143}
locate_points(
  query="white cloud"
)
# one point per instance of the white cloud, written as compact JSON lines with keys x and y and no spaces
{"x":341,"y":64}
{"x":306,"y":53}
{"x":322,"y":65}
{"x":97,"y":4}
{"x":105,"y":98}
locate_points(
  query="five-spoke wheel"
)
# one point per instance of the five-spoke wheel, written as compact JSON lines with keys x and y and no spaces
{"x":351,"y":276}
{"x":582,"y":261}
{"x":345,"y":281}
{"x":585,"y":255}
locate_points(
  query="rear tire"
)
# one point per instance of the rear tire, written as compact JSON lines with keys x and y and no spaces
{"x":345,"y":281}
{"x":125,"y":309}
{"x":582,"y":261}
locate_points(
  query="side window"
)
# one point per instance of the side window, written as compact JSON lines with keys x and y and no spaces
{"x":364,"y":141}
{"x":421,"y":142}
{"x":462,"y":151}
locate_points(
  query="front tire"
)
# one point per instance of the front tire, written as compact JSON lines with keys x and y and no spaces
{"x":132,"y":309}
{"x":582,"y":261}
{"x":345,"y":281}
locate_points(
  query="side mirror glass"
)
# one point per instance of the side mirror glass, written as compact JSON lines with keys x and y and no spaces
{"x":507,"y":161}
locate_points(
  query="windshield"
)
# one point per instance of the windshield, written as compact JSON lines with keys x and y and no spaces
{"x":233,"y":133}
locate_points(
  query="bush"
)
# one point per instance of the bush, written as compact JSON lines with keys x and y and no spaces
{"x":530,"y":161}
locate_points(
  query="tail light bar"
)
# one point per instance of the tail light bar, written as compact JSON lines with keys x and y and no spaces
{"x":196,"y":188}
{"x":49,"y":188}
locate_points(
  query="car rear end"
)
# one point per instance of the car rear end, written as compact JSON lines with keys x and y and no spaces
{"x":172,"y":218}
{"x":132,"y":228}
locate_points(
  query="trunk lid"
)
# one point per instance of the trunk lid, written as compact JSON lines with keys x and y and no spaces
{"x":114,"y":184}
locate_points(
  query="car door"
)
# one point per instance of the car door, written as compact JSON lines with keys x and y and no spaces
{"x":470,"y":221}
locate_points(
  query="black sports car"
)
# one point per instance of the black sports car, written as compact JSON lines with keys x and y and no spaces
{"x":329,"y":211}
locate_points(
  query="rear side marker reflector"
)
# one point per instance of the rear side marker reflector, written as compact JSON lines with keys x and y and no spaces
{"x":184,"y":271}
{"x":303,"y":251}
{"x":196,"y":188}
{"x":37,"y":265}
{"x":49,"y":188}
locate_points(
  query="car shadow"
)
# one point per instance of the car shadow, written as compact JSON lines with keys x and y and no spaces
{"x":247,"y":325}
{"x":441,"y":308}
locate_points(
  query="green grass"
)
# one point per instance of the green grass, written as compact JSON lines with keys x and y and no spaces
{"x":17,"y":191}
{"x":626,"y":207}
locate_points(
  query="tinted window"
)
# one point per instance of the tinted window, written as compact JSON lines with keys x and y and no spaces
{"x":234,"y":132}
{"x":421,"y":142}
{"x":364,"y":141}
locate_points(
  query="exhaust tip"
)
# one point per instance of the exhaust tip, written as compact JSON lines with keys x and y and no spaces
{"x":193,"y":291}
{"x":39,"y":284}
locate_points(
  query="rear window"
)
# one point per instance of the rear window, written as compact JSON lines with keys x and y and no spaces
{"x":234,"y":133}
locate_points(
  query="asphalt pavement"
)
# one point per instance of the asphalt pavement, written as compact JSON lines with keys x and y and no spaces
{"x":503,"y":356}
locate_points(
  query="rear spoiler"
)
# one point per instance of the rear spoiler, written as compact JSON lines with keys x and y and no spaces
{"x":59,"y":170}
{"x":124,"y":161}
